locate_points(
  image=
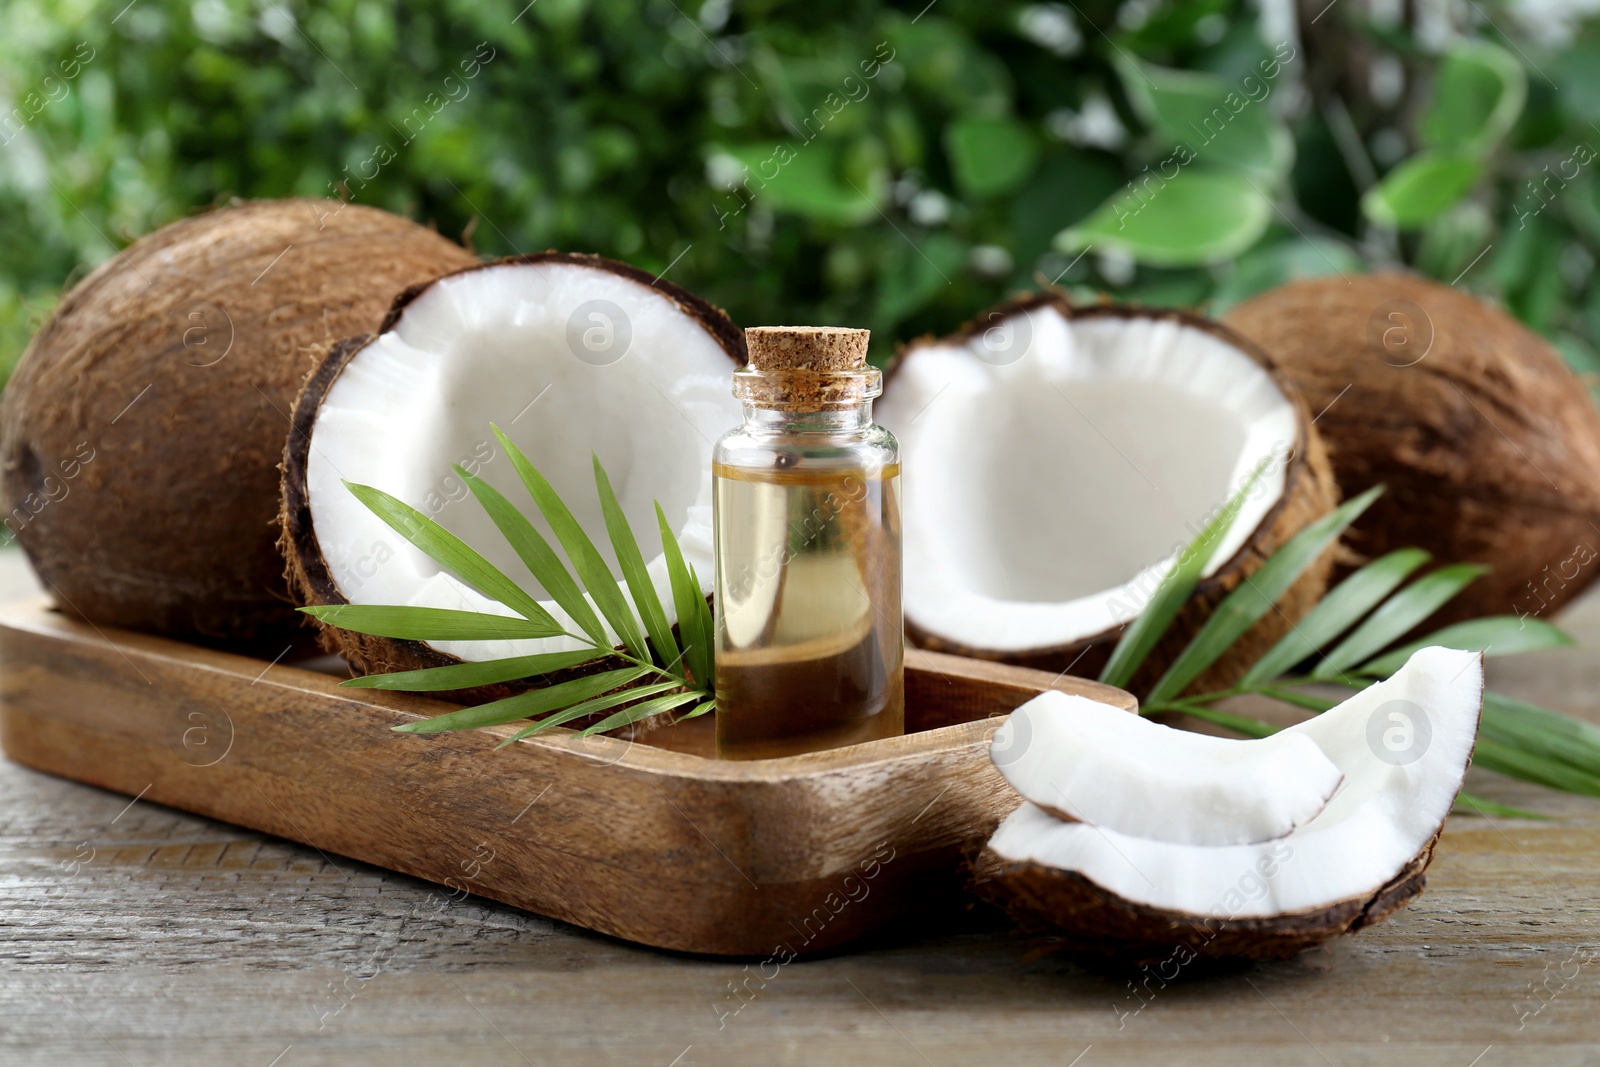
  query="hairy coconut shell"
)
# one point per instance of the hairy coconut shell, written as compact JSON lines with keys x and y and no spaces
{"x":310,"y":577}
{"x":1309,"y":493}
{"x":1083,"y":917}
{"x":1489,"y":445}
{"x":144,"y":425}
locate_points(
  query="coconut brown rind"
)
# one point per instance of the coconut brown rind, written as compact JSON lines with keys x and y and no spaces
{"x":144,"y":425}
{"x":1489,"y":445}
{"x":1083,"y":917}
{"x":1309,"y":493}
{"x":311,"y":580}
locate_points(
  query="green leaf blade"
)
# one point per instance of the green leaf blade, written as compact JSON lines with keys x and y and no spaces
{"x":634,"y":571}
{"x":1534,"y":767}
{"x":1256,"y":595}
{"x":1493,"y":635}
{"x":1147,"y":629}
{"x":525,"y":705}
{"x":588,"y":707}
{"x":1336,"y":612}
{"x":1541,"y":732}
{"x":1398,"y":615}
{"x":409,"y":623}
{"x":537,"y":555}
{"x":1479,"y":92}
{"x":688,"y":601}
{"x":1200,"y":216}
{"x":472,"y":675}
{"x":586,"y":559}
{"x":646,"y":710}
{"x":1421,"y":189}
{"x":450,"y":552}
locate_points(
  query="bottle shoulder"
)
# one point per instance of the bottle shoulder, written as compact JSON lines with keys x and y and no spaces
{"x":870,"y":447}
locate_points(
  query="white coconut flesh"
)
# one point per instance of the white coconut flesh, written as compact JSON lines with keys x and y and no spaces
{"x":1403,"y":747}
{"x":1047,"y":494}
{"x":1099,"y":764}
{"x":502,"y":345}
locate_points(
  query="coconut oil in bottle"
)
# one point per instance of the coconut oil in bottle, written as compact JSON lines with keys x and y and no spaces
{"x":806,"y":501}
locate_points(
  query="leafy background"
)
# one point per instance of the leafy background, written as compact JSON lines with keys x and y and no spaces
{"x":983,"y":158}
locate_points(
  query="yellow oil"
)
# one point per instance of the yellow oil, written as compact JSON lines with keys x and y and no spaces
{"x":809,"y":653}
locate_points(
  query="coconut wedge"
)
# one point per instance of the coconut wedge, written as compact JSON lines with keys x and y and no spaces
{"x":1058,"y":458}
{"x":570,"y":356}
{"x":1085,"y":761}
{"x":1403,"y":746}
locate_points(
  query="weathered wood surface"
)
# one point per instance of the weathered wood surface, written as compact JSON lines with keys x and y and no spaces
{"x":140,"y":935}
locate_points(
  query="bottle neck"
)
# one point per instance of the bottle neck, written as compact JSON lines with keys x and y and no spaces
{"x":854,"y":418}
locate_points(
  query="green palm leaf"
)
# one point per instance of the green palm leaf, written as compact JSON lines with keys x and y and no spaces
{"x":537,"y":555}
{"x":632,"y":563}
{"x":1336,"y":612}
{"x":471,"y":675}
{"x":643,"y":711}
{"x":589,"y":707}
{"x":450,"y":552}
{"x":1146,"y":631}
{"x":586,"y":559}
{"x":524,"y":705}
{"x":1398,"y":615}
{"x":1494,"y":635}
{"x":1256,"y":596}
{"x":430,"y":624}
{"x":688,"y":602}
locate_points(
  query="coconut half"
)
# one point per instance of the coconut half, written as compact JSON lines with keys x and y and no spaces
{"x":1057,"y":460}
{"x":569,"y":356}
{"x":1090,"y":762}
{"x":1403,"y":746}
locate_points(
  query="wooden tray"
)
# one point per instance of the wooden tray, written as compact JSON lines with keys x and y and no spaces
{"x":645,"y":839}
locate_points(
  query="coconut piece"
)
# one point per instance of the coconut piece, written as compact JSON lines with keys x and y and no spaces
{"x":1403,"y":746}
{"x":144,"y":425}
{"x":1057,"y":460}
{"x":1085,"y":761}
{"x":571,"y":356}
{"x":1489,"y":445}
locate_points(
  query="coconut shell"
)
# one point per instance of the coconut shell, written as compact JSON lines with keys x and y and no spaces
{"x":144,"y":425}
{"x":1083,"y":917}
{"x":311,"y":580}
{"x":1309,"y":493}
{"x":1489,"y":445}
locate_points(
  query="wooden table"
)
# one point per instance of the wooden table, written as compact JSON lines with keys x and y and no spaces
{"x":134,"y":934}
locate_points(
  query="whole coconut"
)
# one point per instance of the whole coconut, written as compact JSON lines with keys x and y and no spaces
{"x":144,"y":425}
{"x":1488,"y":443}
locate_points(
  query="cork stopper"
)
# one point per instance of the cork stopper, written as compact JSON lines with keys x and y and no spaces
{"x":807,"y":368}
{"x":819,"y":348}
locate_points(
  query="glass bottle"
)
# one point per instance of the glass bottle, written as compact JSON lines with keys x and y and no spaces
{"x":806,"y":505}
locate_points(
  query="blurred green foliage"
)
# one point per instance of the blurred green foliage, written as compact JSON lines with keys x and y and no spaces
{"x":831,"y":162}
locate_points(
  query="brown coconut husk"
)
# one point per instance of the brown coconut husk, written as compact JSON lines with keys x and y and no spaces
{"x":1309,"y":494}
{"x":168,"y":526}
{"x":1489,"y":445}
{"x":311,"y":579}
{"x":1079,"y":916}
